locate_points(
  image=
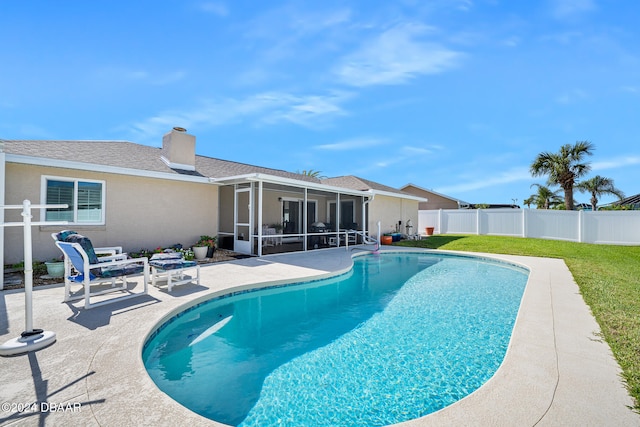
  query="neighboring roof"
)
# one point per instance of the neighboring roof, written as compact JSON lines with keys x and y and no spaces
{"x":631,"y":200}
{"x":361,"y":184}
{"x":492,"y":206}
{"x":460,"y":202}
{"x":128,"y":155}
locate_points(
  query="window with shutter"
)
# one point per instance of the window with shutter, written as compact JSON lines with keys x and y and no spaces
{"x":85,"y":200}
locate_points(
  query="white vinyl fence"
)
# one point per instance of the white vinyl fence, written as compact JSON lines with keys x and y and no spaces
{"x":605,"y":227}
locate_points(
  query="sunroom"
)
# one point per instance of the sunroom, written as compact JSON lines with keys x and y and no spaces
{"x":262,"y":214}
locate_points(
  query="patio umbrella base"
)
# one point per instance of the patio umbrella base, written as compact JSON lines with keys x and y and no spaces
{"x":27,"y":342}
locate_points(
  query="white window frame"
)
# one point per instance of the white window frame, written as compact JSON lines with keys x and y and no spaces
{"x":43,"y":197}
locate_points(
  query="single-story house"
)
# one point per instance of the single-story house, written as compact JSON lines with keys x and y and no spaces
{"x":434,"y":200}
{"x":137,"y":196}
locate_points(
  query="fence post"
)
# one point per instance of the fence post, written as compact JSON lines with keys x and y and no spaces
{"x":478,"y":222}
{"x":440,"y":221}
{"x":580,"y":219}
{"x":524,"y":222}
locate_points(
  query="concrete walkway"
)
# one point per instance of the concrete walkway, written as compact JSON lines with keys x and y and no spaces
{"x":557,"y":370}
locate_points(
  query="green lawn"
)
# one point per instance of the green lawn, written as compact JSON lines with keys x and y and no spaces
{"x":608,"y":277}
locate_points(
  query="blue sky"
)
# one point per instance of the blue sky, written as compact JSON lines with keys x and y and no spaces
{"x":458,"y":96}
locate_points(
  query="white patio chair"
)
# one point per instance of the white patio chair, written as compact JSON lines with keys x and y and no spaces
{"x":87,"y":269}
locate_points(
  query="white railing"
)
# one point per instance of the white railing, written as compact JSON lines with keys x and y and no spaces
{"x":606,"y":227}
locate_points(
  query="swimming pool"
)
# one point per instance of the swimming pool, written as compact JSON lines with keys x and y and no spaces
{"x":398,"y":337}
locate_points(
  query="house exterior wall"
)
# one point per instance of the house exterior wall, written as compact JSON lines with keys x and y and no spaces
{"x":226,"y":208}
{"x":389,"y":210}
{"x":139,"y":212}
{"x":436,"y":201}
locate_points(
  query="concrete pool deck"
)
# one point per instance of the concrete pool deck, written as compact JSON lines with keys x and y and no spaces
{"x":557,"y":371}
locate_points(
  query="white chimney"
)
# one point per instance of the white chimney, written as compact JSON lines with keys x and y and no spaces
{"x":179,"y":149}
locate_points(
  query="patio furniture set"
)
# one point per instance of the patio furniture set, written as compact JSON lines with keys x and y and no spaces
{"x":83,"y":266}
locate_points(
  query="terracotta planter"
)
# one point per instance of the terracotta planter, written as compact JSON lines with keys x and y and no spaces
{"x":429,"y":231}
{"x":386,"y":240}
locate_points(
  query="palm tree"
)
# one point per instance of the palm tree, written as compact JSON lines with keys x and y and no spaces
{"x":545,"y":198}
{"x":529,"y":201}
{"x":564,"y":167}
{"x":311,"y":173}
{"x":598,"y":186}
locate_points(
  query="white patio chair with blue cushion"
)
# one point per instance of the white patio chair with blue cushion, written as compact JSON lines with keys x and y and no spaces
{"x":110,"y":253}
{"x":87,"y":269}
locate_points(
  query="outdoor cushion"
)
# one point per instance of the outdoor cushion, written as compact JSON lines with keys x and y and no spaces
{"x":165,"y":255}
{"x":61,"y":236}
{"x":86,"y":245}
{"x":120,"y":270}
{"x":110,"y":271}
{"x":170,"y":261}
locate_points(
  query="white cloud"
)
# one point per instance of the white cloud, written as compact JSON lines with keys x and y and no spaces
{"x":513,"y":41}
{"x":119,"y":74}
{"x":615,"y":163}
{"x":395,"y":57}
{"x":415,"y":151}
{"x":572,"y":97}
{"x":564,"y":38}
{"x":264,"y":108}
{"x":465,"y":5}
{"x":631,"y":89}
{"x":506,"y":177}
{"x":568,"y":9}
{"x":314,"y":22}
{"x":351,"y":144}
{"x":215,"y":8}
{"x":311,"y":111}
{"x":168,"y":78}
{"x":403,"y":157}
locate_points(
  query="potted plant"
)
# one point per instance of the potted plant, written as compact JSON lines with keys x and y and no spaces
{"x":55,"y":268}
{"x":187,"y":254}
{"x":205,"y":247}
{"x":386,"y":239}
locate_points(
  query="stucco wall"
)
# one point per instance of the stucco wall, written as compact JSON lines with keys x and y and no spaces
{"x":140,"y":212}
{"x":435,"y":200}
{"x":389,"y":210}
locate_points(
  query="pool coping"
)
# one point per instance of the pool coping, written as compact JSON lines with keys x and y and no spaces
{"x":557,"y":369}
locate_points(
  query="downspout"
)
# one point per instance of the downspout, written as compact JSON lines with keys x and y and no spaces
{"x":259,"y":226}
{"x":305,"y":215}
{"x":364,"y":213}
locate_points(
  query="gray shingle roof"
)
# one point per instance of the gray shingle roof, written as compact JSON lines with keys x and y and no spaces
{"x":631,"y":200}
{"x":135,"y":156}
{"x":146,"y":158}
{"x":357,"y":183}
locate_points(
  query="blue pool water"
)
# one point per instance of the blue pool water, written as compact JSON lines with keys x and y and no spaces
{"x":398,"y":337}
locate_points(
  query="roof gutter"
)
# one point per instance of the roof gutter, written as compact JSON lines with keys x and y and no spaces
{"x":403,"y":195}
{"x":288,"y":181}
